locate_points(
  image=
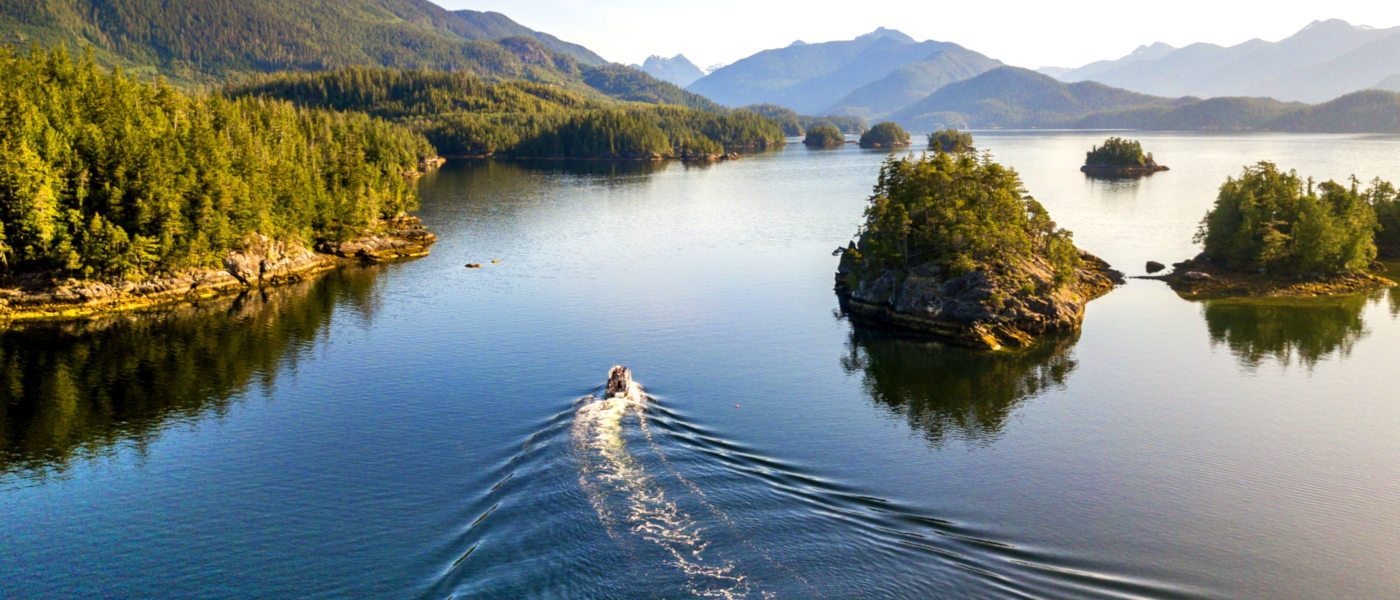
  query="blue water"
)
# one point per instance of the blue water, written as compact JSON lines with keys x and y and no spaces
{"x":426,"y":430}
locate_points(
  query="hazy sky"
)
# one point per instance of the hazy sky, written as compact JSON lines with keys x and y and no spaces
{"x":1028,"y":34}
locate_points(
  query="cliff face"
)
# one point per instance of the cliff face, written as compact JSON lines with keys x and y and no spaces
{"x":987,"y":308}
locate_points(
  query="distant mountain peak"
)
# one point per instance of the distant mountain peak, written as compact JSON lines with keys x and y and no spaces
{"x":1329,"y":23}
{"x":797,"y":43}
{"x":1152,"y":50}
{"x":885,"y":33}
{"x":678,"y":69}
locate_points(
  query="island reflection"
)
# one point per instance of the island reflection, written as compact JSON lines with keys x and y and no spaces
{"x":1286,"y":331}
{"x":946,"y":392}
{"x":72,"y":391}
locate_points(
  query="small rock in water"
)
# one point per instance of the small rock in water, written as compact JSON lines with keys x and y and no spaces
{"x":473,"y":265}
{"x":1154,"y":266}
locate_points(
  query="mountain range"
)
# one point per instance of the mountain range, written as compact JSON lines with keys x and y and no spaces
{"x":678,"y":69}
{"x":870,"y":76}
{"x":883,"y":74}
{"x":1324,"y":60}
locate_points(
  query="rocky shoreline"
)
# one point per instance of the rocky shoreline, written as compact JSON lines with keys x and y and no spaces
{"x":258,"y":262}
{"x":979,"y":309}
{"x":1112,"y":171}
{"x":1198,"y":279}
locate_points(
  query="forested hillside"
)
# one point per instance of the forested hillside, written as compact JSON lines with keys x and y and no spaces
{"x":463,"y":115}
{"x":104,"y":176}
{"x":209,"y":42}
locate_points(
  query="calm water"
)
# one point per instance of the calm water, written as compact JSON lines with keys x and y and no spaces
{"x":422,"y":430}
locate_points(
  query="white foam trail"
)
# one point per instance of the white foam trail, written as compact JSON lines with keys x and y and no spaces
{"x":610,"y":471}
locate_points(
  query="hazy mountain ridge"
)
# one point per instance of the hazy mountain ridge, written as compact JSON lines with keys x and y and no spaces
{"x":1016,"y":97}
{"x":1010,"y":97}
{"x":831,"y":76}
{"x":1322,"y":61}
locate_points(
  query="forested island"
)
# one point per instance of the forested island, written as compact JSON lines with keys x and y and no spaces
{"x":950,"y":141}
{"x":1119,"y":157}
{"x":117,"y":194}
{"x":824,"y":136}
{"x":1273,"y":233}
{"x":952,"y":247}
{"x":885,"y":135}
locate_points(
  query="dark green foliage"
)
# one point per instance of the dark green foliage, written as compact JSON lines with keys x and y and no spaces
{"x":884,"y":135}
{"x":102,"y":176}
{"x":1118,"y":152}
{"x":1213,"y":114}
{"x":824,"y":136}
{"x":462,"y":115}
{"x":1276,"y":222}
{"x":951,"y":141}
{"x":1368,"y":111}
{"x":962,"y":213}
{"x":794,"y":124}
{"x":628,"y":84}
{"x":1385,"y":200}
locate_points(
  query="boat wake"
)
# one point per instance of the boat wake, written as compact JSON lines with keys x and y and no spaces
{"x":682,"y":511}
{"x":626,"y":498}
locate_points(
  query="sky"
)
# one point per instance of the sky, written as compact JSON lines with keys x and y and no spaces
{"x":1027,"y":34}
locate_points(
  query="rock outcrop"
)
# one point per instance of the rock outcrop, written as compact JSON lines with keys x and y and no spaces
{"x":1113,"y":171}
{"x":984,"y":308}
{"x":258,"y":262}
{"x":1199,"y":278}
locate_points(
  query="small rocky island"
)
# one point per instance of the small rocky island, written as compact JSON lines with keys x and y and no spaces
{"x":1119,"y":157}
{"x":824,"y":136}
{"x":1273,"y":234}
{"x":885,"y":135}
{"x":954,"y":249}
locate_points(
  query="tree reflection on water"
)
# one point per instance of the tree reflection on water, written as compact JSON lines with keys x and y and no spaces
{"x":946,"y":392}
{"x":71,"y":391}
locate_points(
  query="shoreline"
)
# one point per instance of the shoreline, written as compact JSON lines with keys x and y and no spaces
{"x":260,"y":263}
{"x":729,"y":154}
{"x":1112,"y":171}
{"x":1196,"y":280}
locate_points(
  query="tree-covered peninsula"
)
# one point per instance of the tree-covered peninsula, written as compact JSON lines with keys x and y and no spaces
{"x":950,"y":141}
{"x":103,"y":178}
{"x":824,"y":136}
{"x":794,"y":124}
{"x":464,"y":116}
{"x":1120,"y":157}
{"x":953,"y":247}
{"x":1273,"y":233}
{"x":885,"y":135}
